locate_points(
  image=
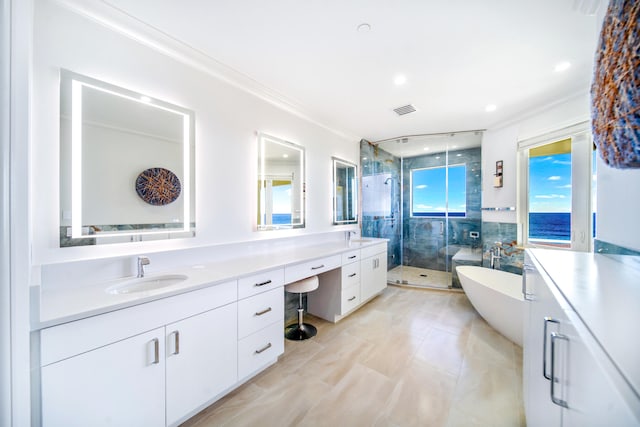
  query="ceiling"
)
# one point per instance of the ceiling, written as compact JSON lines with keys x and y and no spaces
{"x":458,"y":56}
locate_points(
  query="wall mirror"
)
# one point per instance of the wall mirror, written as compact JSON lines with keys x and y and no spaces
{"x":280,"y":184}
{"x":126,"y":165}
{"x":345,"y":192}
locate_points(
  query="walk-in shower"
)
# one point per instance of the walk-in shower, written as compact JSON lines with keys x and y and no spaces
{"x":423,"y":194}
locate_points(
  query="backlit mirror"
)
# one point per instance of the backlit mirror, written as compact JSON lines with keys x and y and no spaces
{"x":345,"y":192}
{"x":280,"y":184}
{"x":126,"y":165}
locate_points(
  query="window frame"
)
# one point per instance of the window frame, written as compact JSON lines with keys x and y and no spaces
{"x":446,"y":213}
{"x":581,"y":232}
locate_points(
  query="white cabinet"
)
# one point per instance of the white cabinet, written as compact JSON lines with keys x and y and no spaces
{"x":373,"y":269}
{"x":260,"y":321}
{"x":201,"y":358}
{"x":121,"y":384}
{"x":112,"y":370}
{"x":569,"y":379}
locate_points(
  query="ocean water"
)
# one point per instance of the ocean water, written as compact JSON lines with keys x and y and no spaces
{"x":550,"y":226}
{"x":281,"y":218}
{"x":553,"y":226}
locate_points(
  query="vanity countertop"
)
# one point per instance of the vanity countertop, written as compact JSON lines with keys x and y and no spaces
{"x":62,"y":305}
{"x":604,"y":292}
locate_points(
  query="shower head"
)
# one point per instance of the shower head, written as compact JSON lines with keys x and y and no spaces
{"x":386,"y":181}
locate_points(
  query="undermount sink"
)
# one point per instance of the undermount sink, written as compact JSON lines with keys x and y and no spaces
{"x":141,"y":284}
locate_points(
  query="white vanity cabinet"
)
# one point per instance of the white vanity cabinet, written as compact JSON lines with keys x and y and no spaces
{"x":373,"y":269}
{"x":129,"y":366}
{"x":260,"y":321}
{"x":119,"y":384}
{"x":201,"y":354}
{"x":569,"y":380}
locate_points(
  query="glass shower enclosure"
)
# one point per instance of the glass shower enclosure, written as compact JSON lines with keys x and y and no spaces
{"x":422,"y":193}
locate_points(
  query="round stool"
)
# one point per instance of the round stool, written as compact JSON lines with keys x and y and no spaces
{"x":301,"y":331}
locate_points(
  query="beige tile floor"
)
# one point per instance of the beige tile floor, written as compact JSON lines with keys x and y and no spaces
{"x":410,"y":357}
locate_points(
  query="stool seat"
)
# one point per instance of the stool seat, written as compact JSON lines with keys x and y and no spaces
{"x":301,"y":286}
{"x":301,"y":331}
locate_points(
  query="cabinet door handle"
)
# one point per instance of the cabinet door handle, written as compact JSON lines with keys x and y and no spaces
{"x":352,"y":298}
{"x":176,"y":342}
{"x":547,"y":320}
{"x":263,"y":283}
{"x":352,"y":256}
{"x":555,"y":336}
{"x":265,"y":348}
{"x":352,"y":275}
{"x":156,"y":351}
{"x":265,"y":311}
{"x":320,"y":266}
{"x":525,"y":294}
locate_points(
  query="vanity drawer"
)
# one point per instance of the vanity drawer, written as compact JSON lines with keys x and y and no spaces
{"x":260,"y":348}
{"x":261,"y":282}
{"x":373,"y":250}
{"x":311,"y":268}
{"x":260,"y":311}
{"x":351,"y":256}
{"x":350,"y":275}
{"x":350,"y":299}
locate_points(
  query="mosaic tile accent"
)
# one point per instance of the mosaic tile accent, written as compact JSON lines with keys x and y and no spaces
{"x":601,"y":247}
{"x":507,"y":233}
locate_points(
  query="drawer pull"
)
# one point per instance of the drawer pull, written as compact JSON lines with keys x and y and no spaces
{"x":265,"y":348}
{"x":315,"y":268}
{"x":265,"y":311}
{"x":352,"y":275}
{"x":554,"y":379}
{"x":352,"y":298}
{"x":263,"y":283}
{"x":547,"y":320}
{"x":352,"y":256}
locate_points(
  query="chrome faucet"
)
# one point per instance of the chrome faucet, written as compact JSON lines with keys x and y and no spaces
{"x":350,"y":233}
{"x":496,"y":254}
{"x":142,"y":261}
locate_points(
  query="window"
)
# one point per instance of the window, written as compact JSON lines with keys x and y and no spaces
{"x":556,"y":191}
{"x":431,"y":196}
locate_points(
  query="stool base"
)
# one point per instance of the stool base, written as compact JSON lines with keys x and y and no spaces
{"x":298,"y":332}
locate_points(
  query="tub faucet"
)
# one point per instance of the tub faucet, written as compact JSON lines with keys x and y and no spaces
{"x":496,"y":254}
{"x":142,"y":261}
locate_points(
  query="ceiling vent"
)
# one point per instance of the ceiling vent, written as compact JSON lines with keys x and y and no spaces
{"x":405,"y":109}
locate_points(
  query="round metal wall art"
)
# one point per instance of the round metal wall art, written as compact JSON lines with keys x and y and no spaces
{"x":158,"y":186}
{"x":615,"y":91}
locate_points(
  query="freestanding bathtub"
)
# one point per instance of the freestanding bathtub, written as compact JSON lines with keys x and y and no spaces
{"x":497,"y":296}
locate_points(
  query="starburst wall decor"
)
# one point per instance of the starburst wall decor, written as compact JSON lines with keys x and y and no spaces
{"x":158,"y":186}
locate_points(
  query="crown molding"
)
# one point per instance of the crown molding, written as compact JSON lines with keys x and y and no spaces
{"x":119,"y":21}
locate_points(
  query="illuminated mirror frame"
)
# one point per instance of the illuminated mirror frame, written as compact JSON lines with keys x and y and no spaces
{"x":353,"y":187}
{"x":78,"y":83}
{"x":263,"y":177}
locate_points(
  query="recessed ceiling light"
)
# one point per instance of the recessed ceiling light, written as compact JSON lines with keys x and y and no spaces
{"x":458,"y":154}
{"x":285,"y":155}
{"x":400,"y":79}
{"x":490,"y":108}
{"x":426,"y":148}
{"x":562,"y":66}
{"x":364,"y":28}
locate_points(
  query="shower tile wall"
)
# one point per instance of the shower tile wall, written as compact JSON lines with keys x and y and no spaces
{"x":506,"y":233}
{"x":375,"y":162}
{"x":425,"y":240}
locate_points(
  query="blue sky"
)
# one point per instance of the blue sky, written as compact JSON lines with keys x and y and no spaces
{"x":429,"y":190}
{"x":550,"y":183}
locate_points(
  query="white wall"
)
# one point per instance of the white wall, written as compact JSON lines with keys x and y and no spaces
{"x":227,"y":120}
{"x":617,"y":220}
